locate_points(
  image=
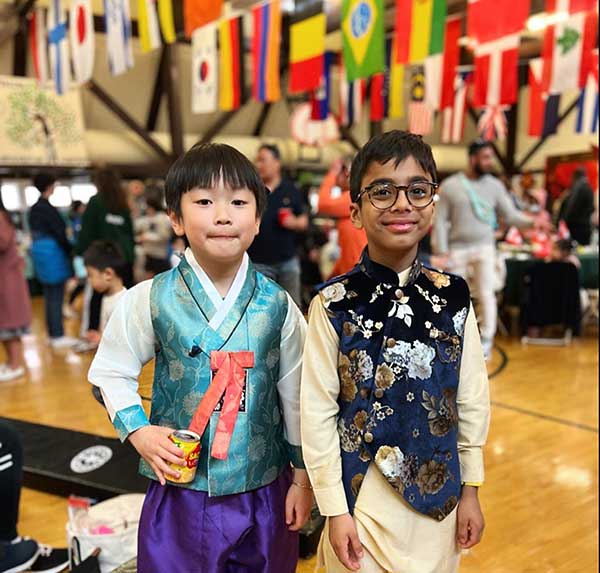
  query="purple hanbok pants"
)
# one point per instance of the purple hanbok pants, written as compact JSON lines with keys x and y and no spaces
{"x":185,"y":531}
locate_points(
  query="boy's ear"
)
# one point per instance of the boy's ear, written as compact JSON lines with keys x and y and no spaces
{"x":110,"y":273}
{"x":355,"y":215}
{"x":176,"y":223}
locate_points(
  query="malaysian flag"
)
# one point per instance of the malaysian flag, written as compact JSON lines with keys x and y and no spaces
{"x":420,"y":115}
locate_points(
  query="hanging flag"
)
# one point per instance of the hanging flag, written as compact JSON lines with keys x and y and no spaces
{"x":492,"y":122}
{"x":453,"y":117}
{"x":352,"y":95}
{"x":38,"y":41}
{"x":567,"y":51}
{"x":395,"y":89}
{"x":420,"y":116}
{"x":204,"y":69}
{"x":419,"y":29}
{"x":59,"y":49}
{"x":148,"y":25}
{"x":587,"y":106}
{"x":320,"y":98}
{"x":489,"y":20}
{"x":81,"y":28}
{"x":451,"y":60}
{"x":496,"y":80}
{"x":198,"y":13}
{"x":563,"y":231}
{"x":165,"y":17}
{"x":363,"y":37}
{"x":231,"y":64}
{"x":118,"y":36}
{"x":543,"y":108}
{"x":307,"y":46}
{"x":494,"y":25}
{"x":265,"y":51}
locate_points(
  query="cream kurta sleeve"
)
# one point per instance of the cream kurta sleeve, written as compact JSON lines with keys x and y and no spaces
{"x":319,"y":409}
{"x":473,"y":404}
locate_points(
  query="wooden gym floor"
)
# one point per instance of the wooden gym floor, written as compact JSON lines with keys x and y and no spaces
{"x":540,"y":499}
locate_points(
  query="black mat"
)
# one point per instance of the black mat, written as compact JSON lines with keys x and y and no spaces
{"x":48,"y":452}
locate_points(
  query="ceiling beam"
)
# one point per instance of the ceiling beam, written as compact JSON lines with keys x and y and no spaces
{"x":115,"y":108}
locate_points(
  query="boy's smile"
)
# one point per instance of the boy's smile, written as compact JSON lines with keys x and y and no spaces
{"x":220,"y":224}
{"x":393,"y":234}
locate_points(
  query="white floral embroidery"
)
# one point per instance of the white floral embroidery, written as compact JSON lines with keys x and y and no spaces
{"x":416,"y":433}
{"x":333,"y":293}
{"x":436,"y":302}
{"x":364,"y":366}
{"x":459,"y":320}
{"x":410,"y":397}
{"x":367,"y":328}
{"x":414,"y":359}
{"x":389,"y":461}
{"x":379,"y":291}
{"x":400,"y":309}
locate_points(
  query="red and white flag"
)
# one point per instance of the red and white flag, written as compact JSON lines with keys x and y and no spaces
{"x":492,"y":123}
{"x":513,"y":237}
{"x":81,"y":30}
{"x":563,"y":230}
{"x":451,"y":60}
{"x":453,"y":117}
{"x":205,"y":76}
{"x":568,"y":45}
{"x":495,"y":26}
{"x":38,"y":42}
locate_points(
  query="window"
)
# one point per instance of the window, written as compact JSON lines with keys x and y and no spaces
{"x":11,"y":197}
{"x":82,"y":192}
{"x":31,"y":195}
{"x":61,"y":197}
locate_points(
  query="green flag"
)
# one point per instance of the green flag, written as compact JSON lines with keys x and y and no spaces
{"x":363,"y":38}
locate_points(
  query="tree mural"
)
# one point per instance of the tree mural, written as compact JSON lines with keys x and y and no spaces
{"x":36,"y":118}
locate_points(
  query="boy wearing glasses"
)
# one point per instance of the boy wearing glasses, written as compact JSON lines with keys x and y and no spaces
{"x":394,"y":398}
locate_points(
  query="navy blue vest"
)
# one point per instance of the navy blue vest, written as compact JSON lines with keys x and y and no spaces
{"x":398,"y":366}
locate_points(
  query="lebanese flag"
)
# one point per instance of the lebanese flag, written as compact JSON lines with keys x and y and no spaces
{"x":38,"y":41}
{"x":496,"y":79}
{"x":81,"y":32}
{"x":568,"y":49}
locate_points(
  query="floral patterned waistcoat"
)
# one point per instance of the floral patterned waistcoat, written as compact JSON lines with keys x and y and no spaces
{"x":398,"y":365}
{"x":181,"y":311}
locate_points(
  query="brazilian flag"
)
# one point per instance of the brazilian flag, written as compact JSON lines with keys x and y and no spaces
{"x":363,"y":37}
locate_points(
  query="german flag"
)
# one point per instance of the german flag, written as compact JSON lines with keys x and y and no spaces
{"x":231,"y":64}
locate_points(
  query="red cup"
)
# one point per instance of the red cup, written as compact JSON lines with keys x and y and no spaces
{"x":283,"y":214}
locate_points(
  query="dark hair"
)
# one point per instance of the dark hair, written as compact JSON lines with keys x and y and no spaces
{"x":566,"y":245}
{"x":395,"y":145}
{"x":273,"y":149}
{"x":43,"y":180}
{"x":104,"y":255}
{"x":477,"y":145}
{"x":110,"y":190}
{"x":154,"y":195}
{"x":204,"y":165}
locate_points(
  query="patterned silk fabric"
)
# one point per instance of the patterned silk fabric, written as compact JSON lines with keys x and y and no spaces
{"x":181,"y":311}
{"x":398,"y":366}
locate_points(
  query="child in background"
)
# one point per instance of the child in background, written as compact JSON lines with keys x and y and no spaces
{"x":104,"y":264}
{"x":228,"y":348}
{"x":394,"y":405}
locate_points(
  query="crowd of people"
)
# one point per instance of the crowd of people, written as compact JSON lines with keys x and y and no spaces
{"x":383,"y":315}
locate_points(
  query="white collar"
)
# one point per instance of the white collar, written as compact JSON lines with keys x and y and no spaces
{"x":222,"y":305}
{"x":403,"y":276}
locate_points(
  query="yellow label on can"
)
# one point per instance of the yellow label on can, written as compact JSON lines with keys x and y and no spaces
{"x":189,"y":443}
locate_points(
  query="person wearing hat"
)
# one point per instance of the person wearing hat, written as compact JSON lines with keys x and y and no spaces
{"x":464,"y":226}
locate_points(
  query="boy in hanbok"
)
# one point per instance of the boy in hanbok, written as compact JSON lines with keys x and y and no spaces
{"x":394,"y":400}
{"x":227,"y":344}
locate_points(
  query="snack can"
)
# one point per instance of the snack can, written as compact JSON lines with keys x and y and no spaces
{"x":189,"y":442}
{"x":283,"y":214}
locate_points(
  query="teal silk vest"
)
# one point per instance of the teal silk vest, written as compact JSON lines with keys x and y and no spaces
{"x":181,"y":311}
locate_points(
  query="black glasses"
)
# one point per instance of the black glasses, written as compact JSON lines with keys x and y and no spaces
{"x":383,"y":196}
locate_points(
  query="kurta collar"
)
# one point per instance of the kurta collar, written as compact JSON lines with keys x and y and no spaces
{"x":383,"y":274}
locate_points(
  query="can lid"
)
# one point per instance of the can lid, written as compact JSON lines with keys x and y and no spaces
{"x":186,"y":436}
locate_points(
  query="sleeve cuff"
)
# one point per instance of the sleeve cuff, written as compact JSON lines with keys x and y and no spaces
{"x":471,"y":466}
{"x":129,"y":420}
{"x":331,"y":500}
{"x":295,"y":455}
{"x":473,"y":484}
